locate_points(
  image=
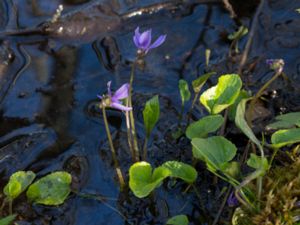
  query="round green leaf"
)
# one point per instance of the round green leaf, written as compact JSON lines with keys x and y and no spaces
{"x":18,"y":182}
{"x":204,"y":126}
{"x":181,"y":170}
{"x":224,"y":94}
{"x":52,"y":189}
{"x":178,"y":220}
{"x":215,"y":151}
{"x":284,"y":121}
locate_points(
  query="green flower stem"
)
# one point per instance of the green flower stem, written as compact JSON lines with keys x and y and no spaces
{"x":132,"y":124}
{"x":145,"y":149}
{"x":129,"y":136}
{"x":117,"y":167}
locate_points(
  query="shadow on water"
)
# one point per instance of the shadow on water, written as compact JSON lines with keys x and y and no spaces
{"x":49,"y":115}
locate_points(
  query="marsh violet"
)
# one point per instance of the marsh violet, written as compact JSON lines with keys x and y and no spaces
{"x":275,"y":64}
{"x":114,"y":100}
{"x":143,"y":40}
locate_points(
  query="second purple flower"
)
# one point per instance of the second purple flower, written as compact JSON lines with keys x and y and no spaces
{"x":143,"y":40}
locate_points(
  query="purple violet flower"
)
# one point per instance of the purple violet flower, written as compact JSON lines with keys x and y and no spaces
{"x":232,"y":201}
{"x":143,"y":40}
{"x":275,"y":64}
{"x":113,"y":100}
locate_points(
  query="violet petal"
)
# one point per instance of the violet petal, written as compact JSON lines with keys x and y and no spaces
{"x":121,"y":93}
{"x":145,"y":39}
{"x":99,"y":96}
{"x":120,"y":106}
{"x":108,"y":88}
{"x":159,"y":41}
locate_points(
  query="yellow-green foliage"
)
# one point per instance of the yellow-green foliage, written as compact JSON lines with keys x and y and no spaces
{"x":280,"y":203}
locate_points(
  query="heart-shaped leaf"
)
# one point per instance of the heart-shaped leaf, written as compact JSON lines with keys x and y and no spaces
{"x":181,"y":170}
{"x":224,"y":94}
{"x":18,"y":182}
{"x":204,"y":126}
{"x":141,"y":179}
{"x":285,"y":137}
{"x":151,"y":114}
{"x":52,"y":189}
{"x":178,"y":220}
{"x":216,"y":151}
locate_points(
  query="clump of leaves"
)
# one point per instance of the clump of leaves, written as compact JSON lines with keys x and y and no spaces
{"x":280,"y":199}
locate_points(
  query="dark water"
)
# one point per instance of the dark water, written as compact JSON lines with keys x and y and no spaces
{"x":49,"y":118}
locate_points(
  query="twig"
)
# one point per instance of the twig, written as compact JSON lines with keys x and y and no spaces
{"x":229,"y":7}
{"x":250,"y":38}
{"x":216,"y":220}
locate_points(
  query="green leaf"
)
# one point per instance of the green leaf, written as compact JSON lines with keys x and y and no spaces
{"x":181,"y":170}
{"x":216,"y":151}
{"x":298,"y":10}
{"x":242,"y":124}
{"x":18,"y":182}
{"x":142,"y":181}
{"x":258,"y":162}
{"x":285,"y":137}
{"x":184,"y":91}
{"x":232,"y":109}
{"x":204,"y":126}
{"x":52,"y":189}
{"x":178,"y":220}
{"x":285,"y":121}
{"x":200,"y":81}
{"x":151,"y":114}
{"x":242,"y":31}
{"x":233,"y":169}
{"x":7,"y":220}
{"x":224,"y":94}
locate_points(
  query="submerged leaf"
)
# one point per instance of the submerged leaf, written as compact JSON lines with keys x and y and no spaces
{"x":204,"y":126}
{"x":216,"y":151}
{"x":178,"y":220}
{"x":224,"y":94}
{"x":181,"y":170}
{"x":285,"y":137}
{"x":18,"y":182}
{"x":52,"y":189}
{"x":184,"y":91}
{"x":151,"y":114}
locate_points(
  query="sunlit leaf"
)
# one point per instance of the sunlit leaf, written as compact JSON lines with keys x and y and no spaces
{"x":178,"y":220}
{"x":52,"y":189}
{"x":224,"y":94}
{"x":7,"y":220}
{"x":204,"y":126}
{"x":200,"y":81}
{"x":151,"y":114}
{"x":285,"y":137}
{"x":142,"y":181}
{"x":285,"y":121}
{"x":181,"y":170}
{"x":215,"y":151}
{"x":241,"y":123}
{"x":184,"y":91}
{"x":18,"y":182}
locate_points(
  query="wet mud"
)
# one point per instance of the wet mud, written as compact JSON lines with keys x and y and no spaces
{"x":48,"y":105}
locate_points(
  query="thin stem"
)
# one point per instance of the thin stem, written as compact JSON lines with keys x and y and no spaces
{"x":258,"y":94}
{"x":216,"y":220}
{"x":116,"y":164}
{"x":192,"y":107}
{"x":132,"y":124}
{"x":181,"y":114}
{"x":145,"y":149}
{"x":129,"y":136}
